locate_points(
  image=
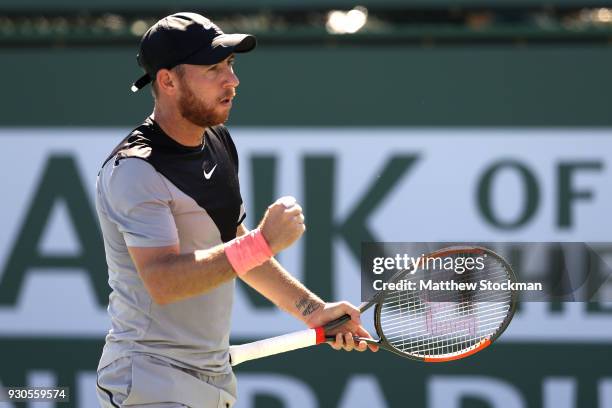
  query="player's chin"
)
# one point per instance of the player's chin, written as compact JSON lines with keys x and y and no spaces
{"x":220,"y":117}
{"x":223,"y":114}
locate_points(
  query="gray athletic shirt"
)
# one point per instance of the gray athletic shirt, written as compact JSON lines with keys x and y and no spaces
{"x":138,"y":206}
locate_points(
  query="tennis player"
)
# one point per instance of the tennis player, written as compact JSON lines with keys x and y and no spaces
{"x":169,"y":204}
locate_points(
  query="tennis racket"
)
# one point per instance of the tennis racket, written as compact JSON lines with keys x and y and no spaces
{"x":424,"y":324}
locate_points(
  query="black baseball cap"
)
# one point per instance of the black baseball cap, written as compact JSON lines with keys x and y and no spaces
{"x":186,"y":38}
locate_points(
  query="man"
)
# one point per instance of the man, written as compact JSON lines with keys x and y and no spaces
{"x":170,"y":209}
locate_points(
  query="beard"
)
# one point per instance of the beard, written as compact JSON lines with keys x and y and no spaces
{"x":197,"y":111}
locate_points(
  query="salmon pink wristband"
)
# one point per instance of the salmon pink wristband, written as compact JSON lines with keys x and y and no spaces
{"x":248,"y":251}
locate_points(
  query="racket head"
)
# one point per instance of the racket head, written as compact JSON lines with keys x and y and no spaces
{"x":473,"y":326}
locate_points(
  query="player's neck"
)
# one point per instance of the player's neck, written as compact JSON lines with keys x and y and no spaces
{"x":177,"y":127}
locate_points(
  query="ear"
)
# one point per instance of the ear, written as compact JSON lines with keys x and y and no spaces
{"x":166,"y":82}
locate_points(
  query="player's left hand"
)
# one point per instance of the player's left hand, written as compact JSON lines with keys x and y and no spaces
{"x":344,"y":334}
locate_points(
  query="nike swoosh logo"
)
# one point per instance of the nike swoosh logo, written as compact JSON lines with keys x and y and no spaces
{"x":208,"y":175}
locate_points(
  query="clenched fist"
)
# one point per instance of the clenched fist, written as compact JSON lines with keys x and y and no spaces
{"x":282,"y":224}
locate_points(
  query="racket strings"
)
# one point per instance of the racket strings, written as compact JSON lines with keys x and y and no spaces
{"x":430,"y":323}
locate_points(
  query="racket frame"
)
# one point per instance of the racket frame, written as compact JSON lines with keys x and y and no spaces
{"x":379,"y":298}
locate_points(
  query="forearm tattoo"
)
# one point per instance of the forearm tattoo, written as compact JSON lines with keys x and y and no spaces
{"x":306,"y":306}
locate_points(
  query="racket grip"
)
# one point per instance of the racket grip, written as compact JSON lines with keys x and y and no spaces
{"x":275,"y":345}
{"x":337,"y":323}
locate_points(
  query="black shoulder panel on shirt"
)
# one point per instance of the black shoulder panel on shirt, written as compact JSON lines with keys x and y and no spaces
{"x":207,"y":173}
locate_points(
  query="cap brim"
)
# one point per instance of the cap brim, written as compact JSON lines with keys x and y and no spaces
{"x":239,"y":42}
{"x":222,"y":47}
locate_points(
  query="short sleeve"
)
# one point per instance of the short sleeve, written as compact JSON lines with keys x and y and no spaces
{"x":138,"y":201}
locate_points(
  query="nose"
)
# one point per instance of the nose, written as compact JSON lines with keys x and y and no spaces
{"x":232,"y":80}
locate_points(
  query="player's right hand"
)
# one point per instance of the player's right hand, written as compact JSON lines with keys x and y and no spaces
{"x":282,"y":224}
